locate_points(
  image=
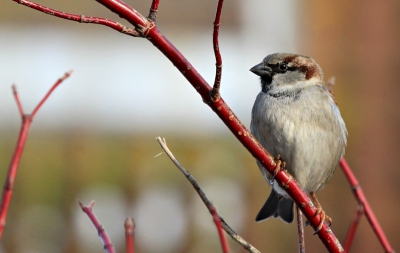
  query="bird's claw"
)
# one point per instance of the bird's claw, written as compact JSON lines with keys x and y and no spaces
{"x":321,"y":212}
{"x":280,"y":165}
{"x":321,"y":223}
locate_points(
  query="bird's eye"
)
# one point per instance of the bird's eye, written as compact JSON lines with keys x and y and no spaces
{"x":283,"y":67}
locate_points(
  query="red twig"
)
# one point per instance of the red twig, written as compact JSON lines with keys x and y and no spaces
{"x":222,"y":238}
{"x":153,"y":10}
{"x":125,"y":11}
{"x":58,"y":82}
{"x":215,"y":95}
{"x":108,"y":247}
{"x":148,"y":29}
{"x":359,"y":195}
{"x":300,"y":230}
{"x":353,"y":228}
{"x":130,"y":235}
{"x":17,"y":100}
{"x":12,"y":171}
{"x":23,"y":135}
{"x":80,"y":18}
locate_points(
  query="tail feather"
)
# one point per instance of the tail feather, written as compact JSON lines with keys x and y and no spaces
{"x":277,"y":206}
{"x":285,"y":209}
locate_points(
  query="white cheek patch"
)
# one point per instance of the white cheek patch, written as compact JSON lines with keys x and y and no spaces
{"x":279,"y":87}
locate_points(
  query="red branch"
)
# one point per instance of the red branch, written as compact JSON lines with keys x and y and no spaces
{"x":362,"y":200}
{"x":153,"y":10}
{"x":130,"y":235}
{"x":23,"y":135}
{"x":80,"y":18}
{"x":215,"y":95}
{"x":108,"y":247}
{"x":353,"y":228}
{"x":222,"y":238}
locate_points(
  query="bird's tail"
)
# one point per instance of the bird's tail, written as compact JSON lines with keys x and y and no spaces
{"x":277,"y":206}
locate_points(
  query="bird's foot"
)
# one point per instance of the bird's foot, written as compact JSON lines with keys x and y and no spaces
{"x":280,"y":165}
{"x":321,"y":212}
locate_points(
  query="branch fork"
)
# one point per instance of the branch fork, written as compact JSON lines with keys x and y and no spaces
{"x":23,"y":135}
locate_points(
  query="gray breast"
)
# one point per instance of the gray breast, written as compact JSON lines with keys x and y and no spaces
{"x":306,"y":130}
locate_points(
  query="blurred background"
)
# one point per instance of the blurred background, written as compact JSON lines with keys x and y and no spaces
{"x":94,"y":139}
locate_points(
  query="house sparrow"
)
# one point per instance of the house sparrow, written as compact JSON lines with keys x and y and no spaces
{"x":296,"y":118}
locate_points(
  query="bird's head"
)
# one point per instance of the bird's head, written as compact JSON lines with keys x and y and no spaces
{"x":286,"y":70}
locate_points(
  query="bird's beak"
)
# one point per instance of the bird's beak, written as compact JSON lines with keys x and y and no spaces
{"x":261,"y":70}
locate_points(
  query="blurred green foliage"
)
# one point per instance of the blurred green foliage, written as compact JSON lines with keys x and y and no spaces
{"x":56,"y":167}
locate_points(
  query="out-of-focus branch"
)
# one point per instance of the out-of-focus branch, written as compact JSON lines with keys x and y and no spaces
{"x":108,"y":247}
{"x":300,"y":230}
{"x":331,"y":83}
{"x":205,"y":199}
{"x":214,"y":94}
{"x":362,"y":200}
{"x":55,"y":85}
{"x":218,"y":225}
{"x":353,"y":228}
{"x":23,"y":135}
{"x":80,"y":18}
{"x":17,"y":100}
{"x":130,"y":235}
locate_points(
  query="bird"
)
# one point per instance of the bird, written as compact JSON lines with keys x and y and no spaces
{"x":296,"y":119}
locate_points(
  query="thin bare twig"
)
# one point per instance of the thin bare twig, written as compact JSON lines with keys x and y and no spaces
{"x":204,"y":198}
{"x":300,"y":230}
{"x":17,"y":100}
{"x":214,"y":94}
{"x":153,"y":10}
{"x":130,"y":235}
{"x":353,"y":228}
{"x":55,"y":85}
{"x":108,"y":247}
{"x":80,"y":18}
{"x":23,"y":135}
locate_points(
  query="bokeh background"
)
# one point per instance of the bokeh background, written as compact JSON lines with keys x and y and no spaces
{"x":94,"y":137}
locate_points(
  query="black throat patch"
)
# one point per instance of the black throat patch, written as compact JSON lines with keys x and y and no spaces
{"x":295,"y":94}
{"x":266,"y":83}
